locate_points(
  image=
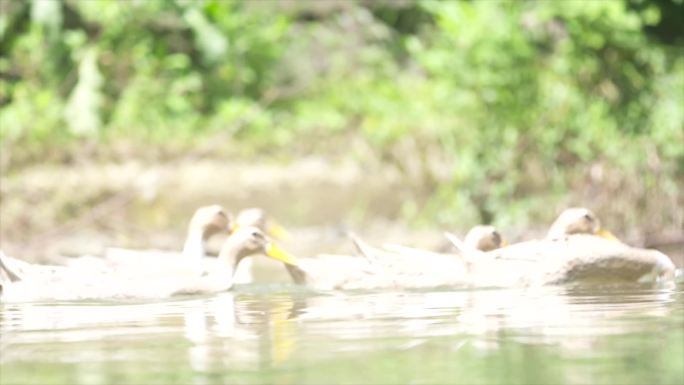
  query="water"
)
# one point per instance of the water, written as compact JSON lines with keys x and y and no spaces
{"x":283,"y":334}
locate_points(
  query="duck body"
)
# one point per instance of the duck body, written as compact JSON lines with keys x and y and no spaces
{"x":378,"y":268}
{"x":578,"y":258}
{"x":335,"y":272}
{"x":206,"y":222}
{"x":74,"y":287}
{"x":13,"y":268}
{"x":64,"y":283}
{"x":572,"y":259}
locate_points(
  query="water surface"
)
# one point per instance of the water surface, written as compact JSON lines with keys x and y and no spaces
{"x":285,"y":334}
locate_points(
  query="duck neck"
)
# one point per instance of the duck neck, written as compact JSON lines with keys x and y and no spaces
{"x":11,"y":275}
{"x":298,"y":275}
{"x":231,"y":254}
{"x":194,"y":248}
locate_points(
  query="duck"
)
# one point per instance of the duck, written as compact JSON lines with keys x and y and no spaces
{"x":571,"y":221}
{"x":371,"y":268}
{"x":392,"y":266}
{"x":484,"y":238}
{"x":11,"y":269}
{"x":576,"y":259}
{"x":7,"y":272}
{"x":257,"y":217}
{"x":576,"y":249}
{"x":75,"y":284}
{"x":478,"y":239}
{"x":581,"y":254}
{"x":375,"y":268}
{"x":205,"y":223}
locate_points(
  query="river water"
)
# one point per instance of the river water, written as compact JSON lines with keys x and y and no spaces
{"x":285,"y":334}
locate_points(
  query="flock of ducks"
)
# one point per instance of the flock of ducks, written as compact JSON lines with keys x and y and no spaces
{"x":575,"y":250}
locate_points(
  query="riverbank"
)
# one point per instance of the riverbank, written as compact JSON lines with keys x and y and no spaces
{"x":53,"y":210}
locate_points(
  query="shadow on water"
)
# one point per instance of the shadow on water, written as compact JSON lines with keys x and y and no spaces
{"x":285,"y":334}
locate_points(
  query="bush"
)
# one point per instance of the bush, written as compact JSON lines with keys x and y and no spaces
{"x":490,"y":110}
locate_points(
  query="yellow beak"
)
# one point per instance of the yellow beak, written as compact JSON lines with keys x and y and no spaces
{"x":504,"y":243}
{"x":277,"y":231}
{"x":235,"y":227}
{"x":275,"y":252}
{"x":603,"y":233}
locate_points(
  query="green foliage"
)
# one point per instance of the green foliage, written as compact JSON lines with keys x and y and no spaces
{"x":490,"y":109}
{"x":149,"y":69}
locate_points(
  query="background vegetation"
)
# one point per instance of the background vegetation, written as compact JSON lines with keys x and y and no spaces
{"x":491,"y":111}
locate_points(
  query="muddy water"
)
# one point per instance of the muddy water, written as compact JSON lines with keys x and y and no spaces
{"x":285,"y":334}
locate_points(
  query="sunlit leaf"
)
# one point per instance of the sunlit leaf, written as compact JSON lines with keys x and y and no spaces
{"x":82,"y":111}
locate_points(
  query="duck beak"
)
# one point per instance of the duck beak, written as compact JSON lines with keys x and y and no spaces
{"x":278,"y":232}
{"x":504,"y":243}
{"x":603,"y":233}
{"x":275,"y":252}
{"x":232,"y":229}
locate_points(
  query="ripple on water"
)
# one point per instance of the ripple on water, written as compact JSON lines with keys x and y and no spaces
{"x":274,"y":334}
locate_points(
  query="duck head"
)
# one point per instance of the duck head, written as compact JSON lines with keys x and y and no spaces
{"x":484,"y":238}
{"x":250,"y":240}
{"x":210,"y":220}
{"x":578,"y":220}
{"x":257,"y":217}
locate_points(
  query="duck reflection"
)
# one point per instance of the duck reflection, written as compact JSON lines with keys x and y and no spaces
{"x":256,"y":329}
{"x":242,"y":331}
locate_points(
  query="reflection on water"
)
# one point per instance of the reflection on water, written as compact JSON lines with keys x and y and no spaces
{"x":282,"y":334}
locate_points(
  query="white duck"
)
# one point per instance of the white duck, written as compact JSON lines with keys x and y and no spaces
{"x":77,"y":284}
{"x":393,"y":266}
{"x":570,"y":258}
{"x":256,"y":217}
{"x":576,"y":249}
{"x":577,"y":220}
{"x":206,"y":222}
